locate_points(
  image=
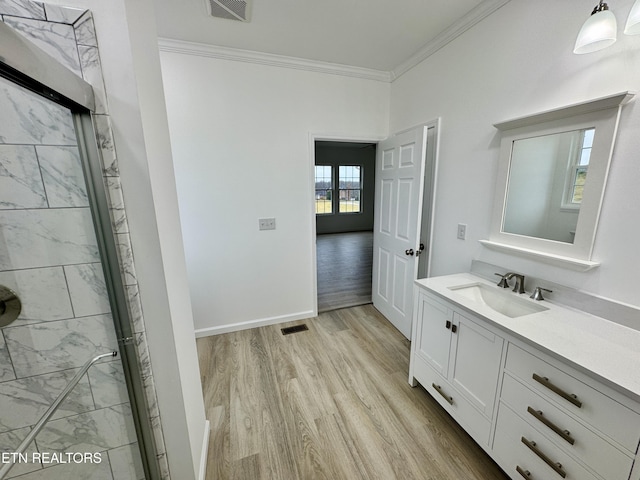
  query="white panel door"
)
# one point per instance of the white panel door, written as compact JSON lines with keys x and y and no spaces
{"x":398,"y":205}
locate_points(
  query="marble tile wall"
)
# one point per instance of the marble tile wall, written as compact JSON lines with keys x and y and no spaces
{"x":48,"y":254}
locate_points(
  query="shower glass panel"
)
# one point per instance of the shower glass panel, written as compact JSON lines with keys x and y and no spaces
{"x":49,"y":257}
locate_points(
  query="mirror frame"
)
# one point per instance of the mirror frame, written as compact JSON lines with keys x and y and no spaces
{"x":604,"y":115}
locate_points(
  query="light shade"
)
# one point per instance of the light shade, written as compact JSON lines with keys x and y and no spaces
{"x":633,"y":22}
{"x":598,"y":32}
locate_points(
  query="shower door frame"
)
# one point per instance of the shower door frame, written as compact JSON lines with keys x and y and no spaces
{"x":27,"y":66}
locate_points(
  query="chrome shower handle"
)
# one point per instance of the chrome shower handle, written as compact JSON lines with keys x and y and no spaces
{"x":10,"y":306}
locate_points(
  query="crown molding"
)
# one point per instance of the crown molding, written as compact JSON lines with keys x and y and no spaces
{"x":476,"y":15}
{"x":248,"y":56}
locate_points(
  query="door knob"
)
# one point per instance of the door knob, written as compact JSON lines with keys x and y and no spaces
{"x":409,"y":252}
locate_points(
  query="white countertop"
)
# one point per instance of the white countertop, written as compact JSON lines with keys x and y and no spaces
{"x":601,"y":347}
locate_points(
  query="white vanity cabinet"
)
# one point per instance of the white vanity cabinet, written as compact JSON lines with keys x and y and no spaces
{"x":554,"y":423}
{"x":539,"y":413}
{"x":457,"y":360}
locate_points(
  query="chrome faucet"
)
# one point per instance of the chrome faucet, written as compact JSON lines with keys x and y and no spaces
{"x":519,"y":285}
{"x":503,"y":281}
{"x":537,"y":293}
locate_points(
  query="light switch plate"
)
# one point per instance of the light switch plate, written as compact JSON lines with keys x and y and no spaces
{"x":267,"y":223}
{"x":462,"y":231}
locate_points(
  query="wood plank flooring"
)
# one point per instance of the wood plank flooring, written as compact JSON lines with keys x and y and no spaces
{"x":344,"y":263}
{"x":329,"y":403}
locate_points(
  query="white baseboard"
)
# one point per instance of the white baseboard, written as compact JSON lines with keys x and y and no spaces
{"x":262,"y":322}
{"x":205,"y":450}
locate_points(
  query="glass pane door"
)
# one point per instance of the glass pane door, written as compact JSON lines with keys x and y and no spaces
{"x":50,"y":258}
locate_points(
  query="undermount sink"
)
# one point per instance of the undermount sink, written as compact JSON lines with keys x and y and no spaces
{"x":504,"y":302}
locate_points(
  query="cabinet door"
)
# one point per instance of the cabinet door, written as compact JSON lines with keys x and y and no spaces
{"x":434,"y":334}
{"x":476,"y":363}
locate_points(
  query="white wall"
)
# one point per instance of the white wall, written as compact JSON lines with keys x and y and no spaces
{"x":129,"y":54}
{"x":241,"y":143}
{"x":516,"y":62}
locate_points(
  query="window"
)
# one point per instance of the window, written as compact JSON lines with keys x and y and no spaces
{"x":348,"y":179}
{"x":578,"y":170}
{"x":350,"y":188}
{"x":324,"y":189}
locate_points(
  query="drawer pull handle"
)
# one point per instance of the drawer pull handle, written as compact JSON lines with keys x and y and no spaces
{"x":444,"y":395}
{"x":565,"y":434}
{"x":524,"y":473}
{"x":570,"y":397}
{"x":557,"y":467}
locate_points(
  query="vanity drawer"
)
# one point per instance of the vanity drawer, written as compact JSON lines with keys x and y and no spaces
{"x":579,"y":399}
{"x":541,"y":459}
{"x":570,"y":434}
{"x":453,"y":402}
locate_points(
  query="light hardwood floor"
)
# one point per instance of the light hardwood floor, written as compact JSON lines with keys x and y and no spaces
{"x":329,"y":403}
{"x":344,"y":263}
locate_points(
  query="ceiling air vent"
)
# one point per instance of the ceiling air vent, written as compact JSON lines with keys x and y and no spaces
{"x":231,"y":9}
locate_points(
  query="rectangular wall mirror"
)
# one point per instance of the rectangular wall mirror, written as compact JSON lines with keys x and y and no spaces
{"x":546,"y":184}
{"x":551,"y":181}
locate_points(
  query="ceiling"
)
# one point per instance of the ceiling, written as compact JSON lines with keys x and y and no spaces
{"x":372,"y":34}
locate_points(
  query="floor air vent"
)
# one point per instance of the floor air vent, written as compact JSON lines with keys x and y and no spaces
{"x":294,"y":329}
{"x":231,"y":9}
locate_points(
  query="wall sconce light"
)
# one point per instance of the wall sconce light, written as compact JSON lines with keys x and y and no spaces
{"x":600,"y":30}
{"x":633,"y":22}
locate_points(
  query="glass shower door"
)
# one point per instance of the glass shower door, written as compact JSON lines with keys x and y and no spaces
{"x":49,"y":256}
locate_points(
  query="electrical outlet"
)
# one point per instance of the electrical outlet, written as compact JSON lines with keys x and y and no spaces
{"x":462,"y":231}
{"x":266,"y":223}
